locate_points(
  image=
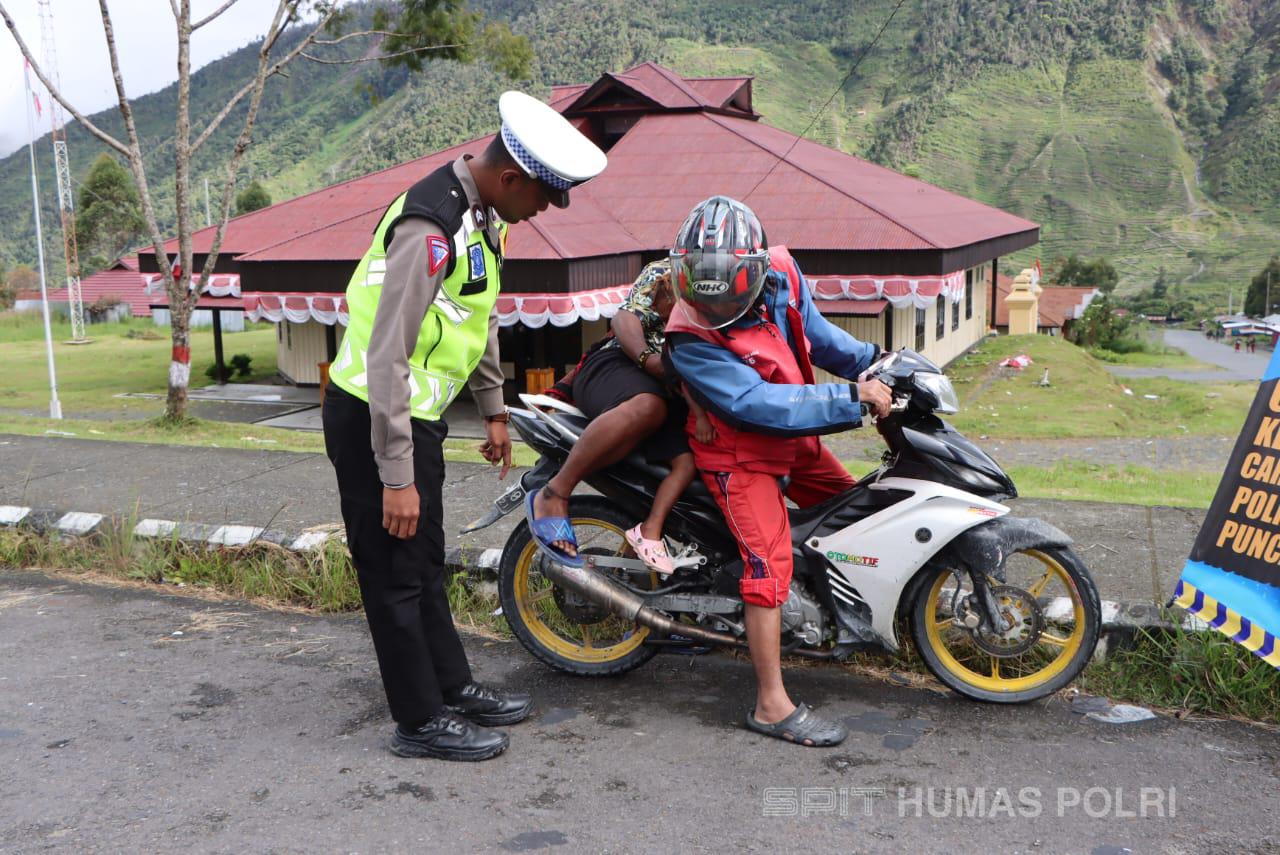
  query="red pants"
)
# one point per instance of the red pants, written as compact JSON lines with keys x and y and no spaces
{"x":753,"y":505}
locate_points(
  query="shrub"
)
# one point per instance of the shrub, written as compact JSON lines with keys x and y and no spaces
{"x":237,"y":366}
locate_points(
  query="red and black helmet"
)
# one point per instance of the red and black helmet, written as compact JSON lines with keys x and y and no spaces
{"x":718,"y":262}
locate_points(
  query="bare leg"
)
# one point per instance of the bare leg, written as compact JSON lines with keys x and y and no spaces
{"x":607,"y":439}
{"x":669,"y":491}
{"x":764,"y":639}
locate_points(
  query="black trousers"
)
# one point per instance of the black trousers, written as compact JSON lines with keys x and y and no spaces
{"x":402,"y":582}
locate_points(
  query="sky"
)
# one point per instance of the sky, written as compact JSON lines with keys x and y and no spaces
{"x":145,"y":41}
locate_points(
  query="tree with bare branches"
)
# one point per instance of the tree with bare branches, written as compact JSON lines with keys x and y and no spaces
{"x":407,"y":30}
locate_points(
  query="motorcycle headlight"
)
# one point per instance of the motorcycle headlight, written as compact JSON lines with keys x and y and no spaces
{"x":939,"y":389}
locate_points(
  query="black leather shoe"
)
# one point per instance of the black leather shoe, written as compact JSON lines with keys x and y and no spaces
{"x":449,"y":737}
{"x":488,"y":706}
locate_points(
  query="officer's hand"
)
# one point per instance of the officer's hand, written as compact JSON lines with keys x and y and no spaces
{"x":400,"y":511}
{"x":876,"y":396}
{"x":497,"y":448}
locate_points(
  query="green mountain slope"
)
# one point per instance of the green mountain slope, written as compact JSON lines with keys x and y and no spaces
{"x":1144,"y":131}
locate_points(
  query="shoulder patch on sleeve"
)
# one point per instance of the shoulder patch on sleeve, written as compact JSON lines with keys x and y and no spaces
{"x":437,"y":253}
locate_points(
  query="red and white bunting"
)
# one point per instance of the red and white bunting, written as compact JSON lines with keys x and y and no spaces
{"x":900,"y":291}
{"x":560,"y":310}
{"x":220,"y":284}
{"x":327,"y":309}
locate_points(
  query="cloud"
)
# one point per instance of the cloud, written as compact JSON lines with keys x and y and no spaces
{"x":145,"y":40}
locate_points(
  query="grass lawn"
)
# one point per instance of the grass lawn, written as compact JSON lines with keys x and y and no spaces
{"x":134,"y":357}
{"x":1175,"y":359}
{"x":124,"y":357}
{"x":1084,"y":399}
{"x":1128,"y":485}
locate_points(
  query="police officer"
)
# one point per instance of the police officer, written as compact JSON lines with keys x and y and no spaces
{"x":423,"y":323}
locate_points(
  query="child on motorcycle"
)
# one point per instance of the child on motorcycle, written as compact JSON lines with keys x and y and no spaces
{"x":622,"y":385}
{"x":741,"y":338}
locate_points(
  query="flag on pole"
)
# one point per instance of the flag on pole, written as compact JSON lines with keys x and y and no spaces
{"x":1232,"y":579}
{"x":35,"y":96}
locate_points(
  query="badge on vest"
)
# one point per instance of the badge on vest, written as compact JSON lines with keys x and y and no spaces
{"x":437,"y":253}
{"x":476,"y":254}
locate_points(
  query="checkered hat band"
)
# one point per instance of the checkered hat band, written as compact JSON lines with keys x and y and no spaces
{"x":531,"y":164}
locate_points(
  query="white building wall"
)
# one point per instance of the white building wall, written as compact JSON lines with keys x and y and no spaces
{"x":941,"y":350}
{"x":300,"y":348}
{"x":202,"y":319}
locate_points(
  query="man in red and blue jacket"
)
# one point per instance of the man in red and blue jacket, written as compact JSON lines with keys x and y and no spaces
{"x":754,"y":376}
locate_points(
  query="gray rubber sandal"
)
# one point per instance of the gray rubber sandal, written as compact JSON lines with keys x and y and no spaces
{"x":803,"y":727}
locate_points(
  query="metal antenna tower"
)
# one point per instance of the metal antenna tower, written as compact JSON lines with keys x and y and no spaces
{"x":66,"y":199}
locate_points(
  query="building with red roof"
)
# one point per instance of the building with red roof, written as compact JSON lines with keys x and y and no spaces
{"x":119,"y":284}
{"x":1058,"y":305}
{"x":892,"y":259}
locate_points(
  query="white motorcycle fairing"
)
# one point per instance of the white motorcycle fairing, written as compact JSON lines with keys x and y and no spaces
{"x":874,"y":559}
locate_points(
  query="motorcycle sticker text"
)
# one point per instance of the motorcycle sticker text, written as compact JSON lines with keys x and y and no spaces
{"x":860,"y":560}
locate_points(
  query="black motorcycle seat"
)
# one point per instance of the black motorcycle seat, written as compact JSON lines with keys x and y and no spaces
{"x":659,"y":471}
{"x":636,"y":460}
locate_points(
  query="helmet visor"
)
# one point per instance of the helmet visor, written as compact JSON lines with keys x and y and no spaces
{"x":716,"y":287}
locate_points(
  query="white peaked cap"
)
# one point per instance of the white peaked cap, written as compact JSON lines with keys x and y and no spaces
{"x":546,"y":145}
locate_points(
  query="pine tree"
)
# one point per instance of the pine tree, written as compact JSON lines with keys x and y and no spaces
{"x":252,"y":198}
{"x":109,"y":215}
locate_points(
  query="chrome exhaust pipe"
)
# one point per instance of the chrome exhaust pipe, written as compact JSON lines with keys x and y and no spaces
{"x":599,"y":590}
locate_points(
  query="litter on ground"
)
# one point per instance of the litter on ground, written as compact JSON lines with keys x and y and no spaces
{"x":1019,"y":362}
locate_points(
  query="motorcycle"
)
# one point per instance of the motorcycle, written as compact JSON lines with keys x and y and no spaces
{"x":999,"y":608}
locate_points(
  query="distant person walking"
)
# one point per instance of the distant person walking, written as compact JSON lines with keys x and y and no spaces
{"x":1237,"y":343}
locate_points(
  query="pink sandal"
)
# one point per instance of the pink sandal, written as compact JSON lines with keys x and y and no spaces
{"x":652,"y":552}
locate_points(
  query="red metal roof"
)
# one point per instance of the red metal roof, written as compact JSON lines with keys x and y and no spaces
{"x":817,"y":199}
{"x":125,"y":285}
{"x":115,"y":285}
{"x":1058,"y":303}
{"x":563,"y":95}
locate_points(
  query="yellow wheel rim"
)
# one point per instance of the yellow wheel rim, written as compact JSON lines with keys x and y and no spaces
{"x":990,"y":677}
{"x":539,"y":613}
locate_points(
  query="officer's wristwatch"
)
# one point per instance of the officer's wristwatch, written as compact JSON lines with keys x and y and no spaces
{"x":503,"y":417}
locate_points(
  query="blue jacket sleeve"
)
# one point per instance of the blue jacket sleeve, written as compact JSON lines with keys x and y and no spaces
{"x":739,"y":396}
{"x":831,"y":347}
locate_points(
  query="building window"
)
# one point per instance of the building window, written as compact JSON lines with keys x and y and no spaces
{"x":955,"y":316}
{"x":968,"y":294}
{"x":920,"y":330}
{"x":941,"y":324}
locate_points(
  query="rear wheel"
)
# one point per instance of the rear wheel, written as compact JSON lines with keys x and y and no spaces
{"x":1054,"y":615}
{"x":559,"y":627}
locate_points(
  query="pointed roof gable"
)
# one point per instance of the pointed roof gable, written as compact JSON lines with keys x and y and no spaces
{"x":650,"y":87}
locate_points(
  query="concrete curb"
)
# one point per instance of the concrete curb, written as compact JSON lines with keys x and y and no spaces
{"x":1120,"y":620}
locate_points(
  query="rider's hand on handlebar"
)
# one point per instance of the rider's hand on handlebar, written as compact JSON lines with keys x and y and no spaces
{"x":876,"y":396}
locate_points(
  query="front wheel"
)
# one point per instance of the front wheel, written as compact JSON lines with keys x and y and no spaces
{"x":559,"y":627}
{"x":1054,"y":615}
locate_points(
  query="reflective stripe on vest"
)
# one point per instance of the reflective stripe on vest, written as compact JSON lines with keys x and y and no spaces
{"x":454,"y":332}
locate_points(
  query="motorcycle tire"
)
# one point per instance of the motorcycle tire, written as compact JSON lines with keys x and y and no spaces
{"x":533,"y":612}
{"x":992,"y":686}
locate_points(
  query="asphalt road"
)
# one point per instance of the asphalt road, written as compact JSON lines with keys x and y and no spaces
{"x":134,"y":720}
{"x":1234,"y":366}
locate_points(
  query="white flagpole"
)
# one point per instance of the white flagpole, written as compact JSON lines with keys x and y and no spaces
{"x":55,"y":406}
